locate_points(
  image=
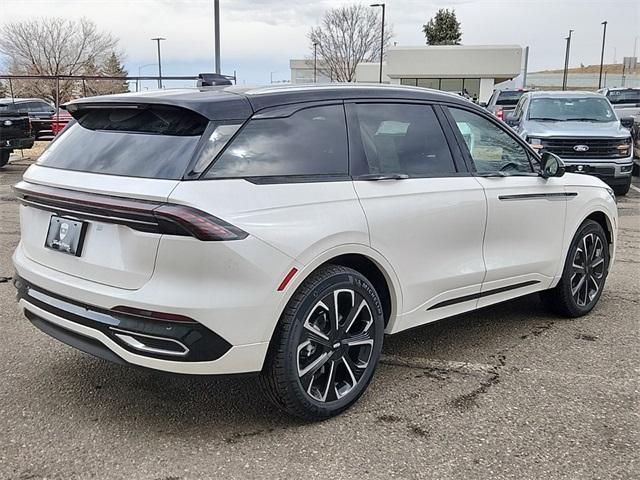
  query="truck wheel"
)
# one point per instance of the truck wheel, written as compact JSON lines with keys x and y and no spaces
{"x":326,"y":346}
{"x":622,"y":190}
{"x":4,"y":157}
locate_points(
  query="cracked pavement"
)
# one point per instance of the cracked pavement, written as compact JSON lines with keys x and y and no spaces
{"x":509,"y":391}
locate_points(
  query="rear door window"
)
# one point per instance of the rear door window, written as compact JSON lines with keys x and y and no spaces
{"x":136,"y":141}
{"x":403,"y":138}
{"x":312,"y":141}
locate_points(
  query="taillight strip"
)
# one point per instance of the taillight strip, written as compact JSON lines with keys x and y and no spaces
{"x":142,"y":215}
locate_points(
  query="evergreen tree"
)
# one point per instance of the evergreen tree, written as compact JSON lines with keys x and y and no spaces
{"x":443,"y":29}
{"x":113,"y":67}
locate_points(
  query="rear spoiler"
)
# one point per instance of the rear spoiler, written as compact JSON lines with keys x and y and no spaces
{"x":213,"y":103}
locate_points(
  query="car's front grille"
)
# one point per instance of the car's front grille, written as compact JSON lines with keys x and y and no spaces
{"x":577,"y":148}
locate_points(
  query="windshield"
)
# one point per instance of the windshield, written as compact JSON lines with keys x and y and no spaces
{"x":509,"y":97}
{"x":629,"y":95}
{"x":587,"y":109}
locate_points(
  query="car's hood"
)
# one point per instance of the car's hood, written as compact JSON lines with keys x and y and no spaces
{"x":576,"y":129}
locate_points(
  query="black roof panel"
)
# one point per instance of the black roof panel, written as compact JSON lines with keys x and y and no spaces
{"x":226,"y":103}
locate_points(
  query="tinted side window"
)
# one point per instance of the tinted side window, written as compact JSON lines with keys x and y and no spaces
{"x":403,"y":138}
{"x":312,"y":141}
{"x":491,"y":148}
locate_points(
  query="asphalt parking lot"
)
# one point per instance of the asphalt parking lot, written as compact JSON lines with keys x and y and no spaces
{"x":506,"y":392}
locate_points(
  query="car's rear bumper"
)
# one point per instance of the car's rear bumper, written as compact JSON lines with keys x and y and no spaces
{"x":232,"y":332}
{"x":96,"y":341}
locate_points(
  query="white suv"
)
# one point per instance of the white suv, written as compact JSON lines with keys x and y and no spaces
{"x":285,"y":230}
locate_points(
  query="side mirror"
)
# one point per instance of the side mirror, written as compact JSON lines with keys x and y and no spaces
{"x":627,"y":122}
{"x":510,"y":119}
{"x":552,"y":165}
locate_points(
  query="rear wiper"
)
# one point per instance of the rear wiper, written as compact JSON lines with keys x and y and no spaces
{"x":383,"y":176}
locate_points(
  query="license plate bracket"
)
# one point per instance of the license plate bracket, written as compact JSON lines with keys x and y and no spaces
{"x":66,"y":235}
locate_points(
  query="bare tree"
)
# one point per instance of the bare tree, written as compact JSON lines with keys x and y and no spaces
{"x":346,"y":37}
{"x":53,"y":46}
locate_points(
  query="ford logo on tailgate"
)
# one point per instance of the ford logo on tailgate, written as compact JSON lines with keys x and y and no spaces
{"x":581,"y":148}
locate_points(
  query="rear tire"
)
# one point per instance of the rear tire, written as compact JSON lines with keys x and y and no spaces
{"x":4,"y":157}
{"x":326,"y":346}
{"x":584,"y":275}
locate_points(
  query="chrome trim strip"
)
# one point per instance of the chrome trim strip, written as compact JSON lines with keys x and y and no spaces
{"x":533,"y":196}
{"x":93,"y":216}
{"x":128,"y":337}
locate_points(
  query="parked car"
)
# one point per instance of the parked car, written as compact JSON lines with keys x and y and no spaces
{"x":504,"y":101}
{"x":582,"y":129}
{"x":283,"y":231}
{"x":40,"y":112}
{"x":15,"y":131}
{"x":626,"y":103}
{"x":60,"y":120}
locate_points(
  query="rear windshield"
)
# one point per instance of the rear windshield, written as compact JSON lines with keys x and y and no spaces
{"x":509,"y":97}
{"x":140,"y":141}
{"x":624,"y":96}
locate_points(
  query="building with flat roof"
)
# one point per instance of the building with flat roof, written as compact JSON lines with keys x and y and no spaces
{"x":472,"y":69}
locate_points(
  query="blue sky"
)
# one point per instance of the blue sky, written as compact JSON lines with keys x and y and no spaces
{"x":260,"y":36}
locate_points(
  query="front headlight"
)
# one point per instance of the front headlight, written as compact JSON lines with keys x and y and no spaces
{"x":624,"y":148}
{"x":536,"y":143}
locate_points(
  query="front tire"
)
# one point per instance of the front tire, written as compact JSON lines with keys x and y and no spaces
{"x":326,"y":346}
{"x":622,"y":190}
{"x":584,"y":275}
{"x":4,"y":157}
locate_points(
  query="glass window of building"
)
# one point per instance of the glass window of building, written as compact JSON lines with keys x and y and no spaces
{"x":429,"y":83}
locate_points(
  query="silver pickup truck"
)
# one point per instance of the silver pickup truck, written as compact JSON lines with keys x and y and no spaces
{"x":582,"y":129}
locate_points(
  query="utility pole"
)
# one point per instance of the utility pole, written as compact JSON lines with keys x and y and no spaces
{"x":381,"y":36}
{"x":566,"y":61}
{"x":604,"y":36}
{"x":216,"y":24}
{"x":158,"y":40}
{"x":315,"y":62}
{"x":526,"y":67}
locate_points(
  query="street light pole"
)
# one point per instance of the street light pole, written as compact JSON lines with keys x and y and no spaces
{"x":216,"y":22}
{"x":566,"y":61}
{"x":604,"y":36}
{"x":381,"y":36}
{"x":158,"y":39}
{"x":140,"y":67}
{"x":315,"y":61}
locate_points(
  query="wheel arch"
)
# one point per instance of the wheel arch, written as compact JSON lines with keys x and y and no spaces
{"x":361,"y":258}
{"x":598,"y":213}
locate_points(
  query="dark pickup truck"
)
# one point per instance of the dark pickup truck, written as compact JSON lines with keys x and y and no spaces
{"x":15,"y":132}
